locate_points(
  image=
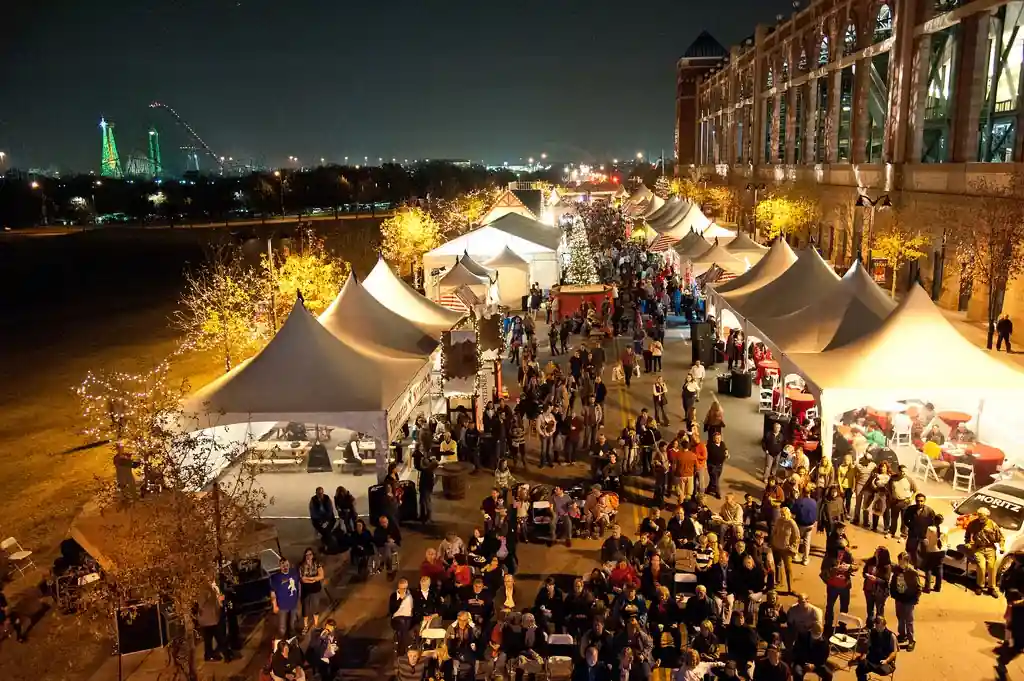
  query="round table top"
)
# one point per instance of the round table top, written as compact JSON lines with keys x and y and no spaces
{"x":954,"y":416}
{"x":799,"y":396}
{"x":983,"y":452}
{"x":768,"y":364}
{"x":453,"y":468}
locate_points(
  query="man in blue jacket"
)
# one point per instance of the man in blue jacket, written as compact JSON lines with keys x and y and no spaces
{"x":805,"y":513}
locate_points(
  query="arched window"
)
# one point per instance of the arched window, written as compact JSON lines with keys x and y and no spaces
{"x":803,"y":60}
{"x":823,"y":51}
{"x":883,"y":23}
{"x":850,"y":40}
{"x":785,"y":70}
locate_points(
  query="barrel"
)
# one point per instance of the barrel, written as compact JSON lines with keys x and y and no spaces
{"x":453,"y":479}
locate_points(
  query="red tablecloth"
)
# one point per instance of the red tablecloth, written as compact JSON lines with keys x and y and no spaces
{"x":987,"y":461}
{"x":801,"y":403}
{"x":765,"y":366}
{"x":954,"y":418}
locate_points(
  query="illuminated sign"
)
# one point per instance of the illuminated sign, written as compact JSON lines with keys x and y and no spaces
{"x":403,"y":406}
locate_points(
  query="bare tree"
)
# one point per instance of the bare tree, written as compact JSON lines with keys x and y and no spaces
{"x":164,"y":544}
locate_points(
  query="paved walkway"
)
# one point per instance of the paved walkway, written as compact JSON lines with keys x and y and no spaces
{"x":977,"y":333}
{"x":954,"y":628}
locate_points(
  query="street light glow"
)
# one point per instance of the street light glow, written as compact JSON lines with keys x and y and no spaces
{"x":543,"y":155}
{"x":35,"y":185}
{"x":640,"y":154}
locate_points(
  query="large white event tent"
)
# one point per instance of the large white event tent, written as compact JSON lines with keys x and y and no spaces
{"x":358,"y":319}
{"x":691,"y":245}
{"x":809,"y":279}
{"x":914,"y":353}
{"x":745,"y":248}
{"x":305,"y":374}
{"x":513,"y":276}
{"x":531,"y":240}
{"x":780,"y":258}
{"x":475,"y":267}
{"x":716,"y":255}
{"x":673,"y":211}
{"x":396,"y":295}
{"x":856,"y":307}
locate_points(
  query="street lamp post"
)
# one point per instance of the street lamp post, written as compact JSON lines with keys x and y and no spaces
{"x":42,"y":195}
{"x":864,"y":201}
{"x":755,"y":187}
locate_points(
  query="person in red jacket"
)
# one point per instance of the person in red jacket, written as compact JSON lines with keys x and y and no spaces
{"x":433,"y":567}
{"x":623,"y":575}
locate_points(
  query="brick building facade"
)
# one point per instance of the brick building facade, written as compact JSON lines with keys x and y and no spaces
{"x":918,"y":100}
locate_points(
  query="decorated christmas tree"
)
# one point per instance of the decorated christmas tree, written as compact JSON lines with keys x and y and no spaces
{"x":663,"y":186}
{"x":581,"y":270}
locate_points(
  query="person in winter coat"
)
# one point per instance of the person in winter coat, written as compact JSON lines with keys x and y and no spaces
{"x":905,"y":589}
{"x":846,"y":478}
{"x":691,"y":393}
{"x":785,"y":542}
{"x":823,"y":476}
{"x":832,"y":511}
{"x":805,"y":513}
{"x":862,"y":491}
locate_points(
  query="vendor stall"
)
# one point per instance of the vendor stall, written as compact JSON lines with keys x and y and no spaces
{"x":572,"y":298}
{"x":513,"y":273}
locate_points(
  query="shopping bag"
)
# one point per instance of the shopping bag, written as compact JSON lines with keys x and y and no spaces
{"x":618,"y":376}
{"x":636,"y":371}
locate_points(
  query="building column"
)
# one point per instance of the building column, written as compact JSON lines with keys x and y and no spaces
{"x":972,"y":62}
{"x":790,"y":95}
{"x":835,"y":86}
{"x":810,"y":121}
{"x":908,"y":89}
{"x":773,"y":155}
{"x":860,"y":118}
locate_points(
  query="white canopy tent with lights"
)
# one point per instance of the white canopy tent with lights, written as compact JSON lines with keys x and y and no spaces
{"x":780,"y":258}
{"x":307,"y":375}
{"x":916,"y":353}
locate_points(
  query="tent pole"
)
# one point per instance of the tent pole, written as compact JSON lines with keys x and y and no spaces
{"x":977,"y":423}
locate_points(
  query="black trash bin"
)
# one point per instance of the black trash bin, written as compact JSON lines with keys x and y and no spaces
{"x":376,"y":496}
{"x":410,"y":509}
{"x":724,"y":384}
{"x":741,"y":381}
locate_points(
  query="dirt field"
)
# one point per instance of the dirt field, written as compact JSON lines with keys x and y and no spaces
{"x":90,"y":301}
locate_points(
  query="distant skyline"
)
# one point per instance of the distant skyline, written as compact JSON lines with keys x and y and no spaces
{"x":405,"y":79}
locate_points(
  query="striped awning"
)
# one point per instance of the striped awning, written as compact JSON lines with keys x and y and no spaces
{"x":452,"y":302}
{"x":661,"y":243}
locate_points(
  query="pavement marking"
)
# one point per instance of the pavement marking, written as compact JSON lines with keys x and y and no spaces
{"x":285,"y":517}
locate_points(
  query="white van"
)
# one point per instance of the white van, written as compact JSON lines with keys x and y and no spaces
{"x":1005,"y":501}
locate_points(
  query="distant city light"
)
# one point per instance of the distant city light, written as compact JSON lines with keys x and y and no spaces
{"x":615,"y":160}
{"x":544,"y":155}
{"x":35,"y":185}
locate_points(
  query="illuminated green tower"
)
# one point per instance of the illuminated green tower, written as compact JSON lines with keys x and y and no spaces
{"x":154,"y":153}
{"x":110,"y":166}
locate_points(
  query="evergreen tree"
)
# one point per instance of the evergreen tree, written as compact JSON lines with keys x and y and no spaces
{"x":581,"y":270}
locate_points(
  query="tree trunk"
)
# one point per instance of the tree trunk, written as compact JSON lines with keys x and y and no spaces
{"x":939,"y":268}
{"x":996,"y":292}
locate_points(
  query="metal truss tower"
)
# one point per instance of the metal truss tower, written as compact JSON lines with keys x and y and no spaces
{"x":156,"y":166}
{"x":110,"y":165}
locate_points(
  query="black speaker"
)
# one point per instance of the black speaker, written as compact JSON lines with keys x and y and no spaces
{"x":741,"y":384}
{"x":410,"y":509}
{"x":139,"y":628}
{"x":376,"y":496}
{"x":701,"y":336}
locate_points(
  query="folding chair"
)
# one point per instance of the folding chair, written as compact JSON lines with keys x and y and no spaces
{"x":963,"y":477}
{"x":811,"y":413}
{"x":923,"y":468}
{"x":765,"y":397}
{"x":685,"y":581}
{"x":16,"y":554}
{"x":559,"y":663}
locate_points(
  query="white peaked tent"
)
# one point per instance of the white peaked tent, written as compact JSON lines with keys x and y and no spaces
{"x":640,"y":194}
{"x":459,"y":275}
{"x":506,"y":203}
{"x":694,"y":220}
{"x":396,"y":295}
{"x":691,"y":245}
{"x":673,"y":211}
{"x":716,"y":231}
{"x":358,"y":319}
{"x":533,"y":241}
{"x":716,"y":255}
{"x":857,"y":307}
{"x":914,"y":353}
{"x":807,"y":281}
{"x":778,"y":259}
{"x":513,"y":276}
{"x":306,"y":374}
{"x":475,"y":267}
{"x":745,"y":248}
{"x":654,"y":205}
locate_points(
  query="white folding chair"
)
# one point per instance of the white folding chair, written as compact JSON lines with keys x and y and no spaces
{"x":811,"y":413}
{"x":764,"y":399}
{"x":963,"y":477}
{"x":16,"y":554}
{"x":923,"y":468}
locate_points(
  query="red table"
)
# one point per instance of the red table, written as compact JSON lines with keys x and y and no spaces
{"x":987,"y":461}
{"x":801,"y":403}
{"x":954,"y":418}
{"x":767,"y":366}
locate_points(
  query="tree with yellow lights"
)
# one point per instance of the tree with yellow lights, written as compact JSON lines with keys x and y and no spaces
{"x":308,"y":269}
{"x":899,"y":244}
{"x":407,"y":235}
{"x":163,"y":539}
{"x":220,"y":307}
{"x":457,"y":216}
{"x":784,"y":215}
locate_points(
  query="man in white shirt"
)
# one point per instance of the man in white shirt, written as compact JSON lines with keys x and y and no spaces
{"x":698,"y":372}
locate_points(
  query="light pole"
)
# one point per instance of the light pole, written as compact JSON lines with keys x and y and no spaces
{"x":42,"y":195}
{"x":864,"y":201}
{"x":755,"y":187}
{"x":280,"y":188}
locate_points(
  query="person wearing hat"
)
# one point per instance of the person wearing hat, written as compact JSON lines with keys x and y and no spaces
{"x":771,"y":667}
{"x":982,"y":536}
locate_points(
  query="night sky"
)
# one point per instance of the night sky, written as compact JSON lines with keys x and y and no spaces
{"x":410,"y":79}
